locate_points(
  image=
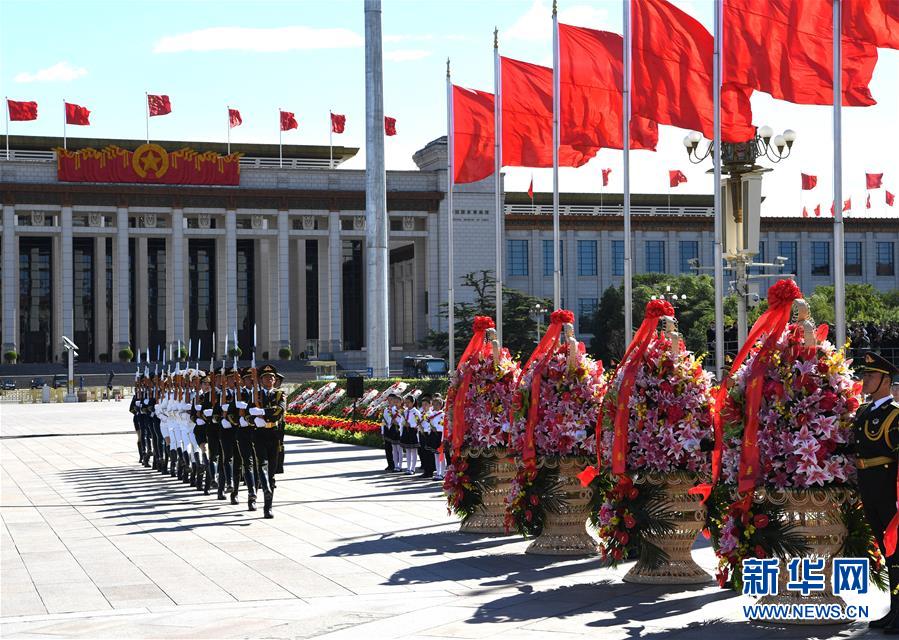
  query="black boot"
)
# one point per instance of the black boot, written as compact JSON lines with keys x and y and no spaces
{"x":140,"y":453}
{"x":189,"y":471}
{"x":251,"y":490}
{"x":267,"y":505}
{"x":175,"y":458}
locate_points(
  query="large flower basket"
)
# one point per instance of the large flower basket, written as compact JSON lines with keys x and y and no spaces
{"x":685,"y":514}
{"x":487,"y":518}
{"x":565,"y":522}
{"x":816,"y":516}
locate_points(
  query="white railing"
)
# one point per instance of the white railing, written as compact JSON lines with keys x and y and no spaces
{"x":605,"y":210}
{"x":245,"y":161}
{"x":29,"y":156}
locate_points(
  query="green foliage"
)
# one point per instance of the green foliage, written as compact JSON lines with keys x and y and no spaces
{"x":181,"y":353}
{"x":538,"y":494}
{"x":284,"y":353}
{"x":11,"y":356}
{"x":126,"y":354}
{"x":519,"y":321}
{"x":863,"y":304}
{"x":860,"y":543}
{"x":336,"y":435}
{"x":476,"y":475}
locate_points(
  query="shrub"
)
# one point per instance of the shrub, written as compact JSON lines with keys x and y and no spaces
{"x":284,"y":353}
{"x":126,"y":354}
{"x":11,"y":356}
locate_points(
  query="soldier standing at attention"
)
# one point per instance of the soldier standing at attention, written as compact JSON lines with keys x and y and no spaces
{"x":245,"y":437}
{"x":267,"y":415}
{"x":877,"y":457}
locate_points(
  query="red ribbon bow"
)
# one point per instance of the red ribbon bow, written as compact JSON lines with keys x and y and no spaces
{"x":471,"y":353}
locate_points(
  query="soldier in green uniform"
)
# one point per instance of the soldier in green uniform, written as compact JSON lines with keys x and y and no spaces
{"x":267,"y":416}
{"x":877,"y":450}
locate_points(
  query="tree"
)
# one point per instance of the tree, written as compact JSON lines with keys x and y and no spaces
{"x":519,"y":323}
{"x":863,"y":304}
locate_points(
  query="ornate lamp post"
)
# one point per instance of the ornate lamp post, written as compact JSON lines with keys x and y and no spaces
{"x":539,"y":311}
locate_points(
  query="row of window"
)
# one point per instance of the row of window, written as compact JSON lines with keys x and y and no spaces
{"x":655,"y":257}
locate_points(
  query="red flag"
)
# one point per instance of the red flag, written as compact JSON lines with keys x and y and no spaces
{"x":531,"y":190}
{"x":847,"y":205}
{"x":818,"y":211}
{"x":21,"y":111}
{"x":234,"y":119}
{"x":389,"y":126}
{"x":473,"y":135}
{"x":873,"y":180}
{"x":338,"y":123}
{"x":675,"y":177}
{"x":527,"y":106}
{"x":868,"y":203}
{"x":672,"y":74}
{"x":832,"y":214}
{"x":605,"y":177}
{"x":159,"y":105}
{"x":590,"y":83}
{"x":804,"y":212}
{"x":76,"y":114}
{"x":808,"y":182}
{"x":890,"y":199}
{"x":288,"y":121}
{"x":785,"y":48}
{"x":874,"y":21}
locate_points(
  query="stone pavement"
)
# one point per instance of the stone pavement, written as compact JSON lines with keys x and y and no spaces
{"x":95,"y":546}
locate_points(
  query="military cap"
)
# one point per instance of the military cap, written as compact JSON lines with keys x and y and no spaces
{"x":876,"y":363}
{"x":269,"y":370}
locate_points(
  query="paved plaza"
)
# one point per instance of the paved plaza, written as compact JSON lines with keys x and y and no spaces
{"x":95,"y":546}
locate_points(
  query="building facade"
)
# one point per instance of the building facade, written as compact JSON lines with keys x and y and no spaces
{"x":144,"y":266}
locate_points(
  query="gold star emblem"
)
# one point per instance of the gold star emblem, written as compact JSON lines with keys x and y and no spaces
{"x":150,"y":159}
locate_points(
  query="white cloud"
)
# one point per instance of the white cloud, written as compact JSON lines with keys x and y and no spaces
{"x":59,"y":72}
{"x":536,"y":23}
{"x":405,"y":55}
{"x":266,"y":40}
{"x":419,"y":37}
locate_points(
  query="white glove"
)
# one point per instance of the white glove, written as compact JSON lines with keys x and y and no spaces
{"x":198,"y":407}
{"x":225,"y":406}
{"x":241,"y":404}
{"x":244,"y":423}
{"x":260,"y":422}
{"x":207,"y":412}
{"x":200,"y":422}
{"x":257,"y":411}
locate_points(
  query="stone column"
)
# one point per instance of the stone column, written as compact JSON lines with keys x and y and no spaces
{"x":176,"y":259}
{"x":121,"y":285}
{"x":101,"y":340}
{"x":231,"y":274}
{"x":282,"y":275}
{"x":334,"y":325}
{"x":298,"y":335}
{"x":141,"y":295}
{"x":10,"y":280}
{"x":65,"y":264}
{"x":264,"y":296}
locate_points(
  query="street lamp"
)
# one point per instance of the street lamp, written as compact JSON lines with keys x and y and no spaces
{"x":539,"y":310}
{"x":673,"y":297}
{"x":744,"y":154}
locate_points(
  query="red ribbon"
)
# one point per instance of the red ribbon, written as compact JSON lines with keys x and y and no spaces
{"x":544,"y":350}
{"x":471,"y":353}
{"x":891,"y":533}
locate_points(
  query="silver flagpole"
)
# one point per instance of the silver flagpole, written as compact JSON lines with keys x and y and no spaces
{"x":280,"y":129}
{"x":330,"y":140}
{"x":626,"y":175}
{"x":147,"y":113}
{"x":497,"y":177}
{"x":839,"y":274}
{"x":450,"y":178}
{"x":717,"y":251}
{"x":557,"y":261}
{"x":64,"y":122}
{"x":6,"y":100}
{"x":229,"y":130}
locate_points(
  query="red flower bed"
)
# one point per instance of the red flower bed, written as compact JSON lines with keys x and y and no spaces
{"x":328,"y":422}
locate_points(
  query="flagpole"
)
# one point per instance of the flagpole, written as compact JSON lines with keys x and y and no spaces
{"x":716,"y":161}
{"x":839,"y":280}
{"x":229,"y":130}
{"x":147,"y":113}
{"x":497,"y":180}
{"x":280,"y":153}
{"x":330,"y":140}
{"x":64,"y":121}
{"x":450,"y":179}
{"x":557,"y":261}
{"x":6,"y":100}
{"x":626,"y":175}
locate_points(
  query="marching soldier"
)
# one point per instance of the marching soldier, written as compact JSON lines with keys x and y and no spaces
{"x":877,"y":457}
{"x":267,"y":415}
{"x":135,"y":409}
{"x":228,"y":476}
{"x":245,"y":436}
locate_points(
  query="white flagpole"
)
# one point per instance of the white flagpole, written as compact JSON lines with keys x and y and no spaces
{"x":6,"y":101}
{"x":497,"y":176}
{"x":229,"y":130}
{"x":450,"y":178}
{"x":280,"y":154}
{"x":64,"y":122}
{"x":330,"y":139}
{"x":717,"y":250}
{"x":839,"y":279}
{"x":557,"y":260}
{"x":626,"y":176}
{"x":147,"y":113}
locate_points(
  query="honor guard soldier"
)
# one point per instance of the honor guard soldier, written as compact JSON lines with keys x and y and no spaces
{"x":267,"y":412}
{"x":228,"y":476}
{"x":877,"y":457}
{"x":246,"y":453}
{"x":135,"y":409}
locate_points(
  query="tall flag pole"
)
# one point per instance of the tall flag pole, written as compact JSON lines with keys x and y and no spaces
{"x":65,"y":121}
{"x":557,"y":261}
{"x":330,"y":139}
{"x":6,"y":102}
{"x":229,"y":130}
{"x":839,"y":274}
{"x":497,"y":180}
{"x":147,"y":113}
{"x":626,"y":176}
{"x":717,"y":250}
{"x":280,"y":130}
{"x":450,"y":179}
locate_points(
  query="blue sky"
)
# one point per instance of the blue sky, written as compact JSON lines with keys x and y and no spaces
{"x":307,"y":57}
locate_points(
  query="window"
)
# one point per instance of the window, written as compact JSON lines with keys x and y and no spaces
{"x":201,"y":290}
{"x":655,"y":256}
{"x":518,"y":258}
{"x":886,"y":260}
{"x":586,"y":307}
{"x":853,"y":258}
{"x":617,"y":257}
{"x":83,"y":296}
{"x":689,"y":250}
{"x":548,"y":257}
{"x":820,"y":258}
{"x":760,"y":257}
{"x":586,"y":257}
{"x":787,"y":249}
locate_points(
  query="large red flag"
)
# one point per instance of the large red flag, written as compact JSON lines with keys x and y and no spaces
{"x":288,"y":121}
{"x":76,"y":114}
{"x":389,"y":126}
{"x":473,"y":135}
{"x":527,"y":104}
{"x":874,"y":21}
{"x":234,"y":119}
{"x":785,"y":48}
{"x":675,"y":177}
{"x":591,"y":83}
{"x":808,"y":181}
{"x":159,"y":105}
{"x":873,"y":180}
{"x":672,"y":74}
{"x":21,"y":111}
{"x":338,"y":123}
{"x":605,"y":176}
{"x":890,"y":199}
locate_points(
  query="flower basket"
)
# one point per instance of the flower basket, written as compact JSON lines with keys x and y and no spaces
{"x":497,"y":471}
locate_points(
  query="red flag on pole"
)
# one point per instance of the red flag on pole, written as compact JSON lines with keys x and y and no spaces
{"x":591,"y":84}
{"x":473,"y":135}
{"x":873,"y":180}
{"x":389,"y":126}
{"x":531,"y":190}
{"x":159,"y":105}
{"x":818,"y":211}
{"x":672,"y":74}
{"x":21,"y":111}
{"x":605,"y":176}
{"x":847,"y":205}
{"x":338,"y":123}
{"x":675,"y":177}
{"x":808,"y":181}
{"x":804,"y":212}
{"x":76,"y":114}
{"x":868,"y":203}
{"x":890,"y":199}
{"x":288,"y":121}
{"x":234,"y":119}
{"x":785,"y":48}
{"x":874,"y":21}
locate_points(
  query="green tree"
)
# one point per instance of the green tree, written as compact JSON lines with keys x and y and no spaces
{"x":863,"y":304}
{"x":519,"y":321}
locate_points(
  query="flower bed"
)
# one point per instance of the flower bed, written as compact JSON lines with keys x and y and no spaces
{"x":361,"y":432}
